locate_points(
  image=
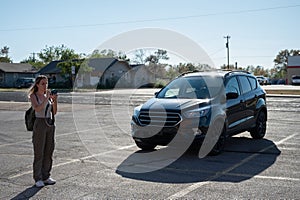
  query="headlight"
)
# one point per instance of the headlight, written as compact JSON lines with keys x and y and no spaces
{"x":136,"y":110}
{"x":196,"y":113}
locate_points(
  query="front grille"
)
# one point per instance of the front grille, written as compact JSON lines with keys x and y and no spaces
{"x":161,"y":119}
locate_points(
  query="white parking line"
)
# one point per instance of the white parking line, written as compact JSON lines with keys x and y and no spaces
{"x":195,"y":186}
{"x":74,"y":160}
{"x":56,"y":135}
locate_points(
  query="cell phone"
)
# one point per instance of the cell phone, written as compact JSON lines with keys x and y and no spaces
{"x":53,"y":92}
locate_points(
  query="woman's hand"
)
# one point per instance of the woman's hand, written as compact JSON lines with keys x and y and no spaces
{"x":53,"y":97}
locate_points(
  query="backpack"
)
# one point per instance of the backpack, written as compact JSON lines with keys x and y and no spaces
{"x":29,"y":118}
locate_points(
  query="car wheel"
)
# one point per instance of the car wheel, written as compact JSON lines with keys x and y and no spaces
{"x":145,"y":146}
{"x":260,"y":128}
{"x":220,"y":144}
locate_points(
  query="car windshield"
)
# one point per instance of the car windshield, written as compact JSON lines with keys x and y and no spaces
{"x":195,"y":87}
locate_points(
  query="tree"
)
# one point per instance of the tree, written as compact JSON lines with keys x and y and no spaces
{"x":4,"y":55}
{"x":281,"y":61}
{"x":140,"y":56}
{"x":66,"y":66}
{"x":158,"y":55}
{"x":5,"y":51}
{"x":57,"y":53}
{"x":108,"y":53}
{"x":34,"y":62}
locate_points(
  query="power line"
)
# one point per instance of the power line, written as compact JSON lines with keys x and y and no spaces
{"x":152,"y":20}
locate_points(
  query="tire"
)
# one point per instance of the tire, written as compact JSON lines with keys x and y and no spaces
{"x":145,"y":146}
{"x":219,"y":146}
{"x":260,"y":128}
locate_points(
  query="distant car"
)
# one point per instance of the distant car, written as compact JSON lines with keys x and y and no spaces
{"x":263,"y":80}
{"x":24,"y":82}
{"x":296,"y":80}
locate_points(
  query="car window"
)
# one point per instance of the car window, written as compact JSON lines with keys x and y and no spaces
{"x":172,"y":92}
{"x":245,"y":84}
{"x":253,"y":82}
{"x":232,"y":86}
{"x":192,"y":88}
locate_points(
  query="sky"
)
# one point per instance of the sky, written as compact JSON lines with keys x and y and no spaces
{"x":258,"y":29}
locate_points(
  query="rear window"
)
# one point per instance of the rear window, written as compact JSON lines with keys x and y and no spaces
{"x":253,"y":82}
{"x":245,"y":84}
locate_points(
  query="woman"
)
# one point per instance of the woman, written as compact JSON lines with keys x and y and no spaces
{"x":45,"y":106}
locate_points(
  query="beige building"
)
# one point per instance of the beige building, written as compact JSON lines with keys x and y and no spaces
{"x":293,"y":68}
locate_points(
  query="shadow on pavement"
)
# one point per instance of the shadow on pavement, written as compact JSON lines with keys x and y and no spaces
{"x":27,"y":194}
{"x":242,"y":159}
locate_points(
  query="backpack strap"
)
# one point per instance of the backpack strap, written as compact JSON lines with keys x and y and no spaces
{"x":36,"y":97}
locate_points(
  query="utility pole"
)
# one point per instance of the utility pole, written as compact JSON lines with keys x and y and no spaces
{"x":227,"y":46}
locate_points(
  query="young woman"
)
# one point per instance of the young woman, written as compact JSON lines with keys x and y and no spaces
{"x":45,"y":106}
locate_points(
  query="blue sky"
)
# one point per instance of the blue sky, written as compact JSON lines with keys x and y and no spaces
{"x":258,"y":29}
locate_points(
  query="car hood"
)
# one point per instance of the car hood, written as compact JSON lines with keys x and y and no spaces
{"x":174,"y":104}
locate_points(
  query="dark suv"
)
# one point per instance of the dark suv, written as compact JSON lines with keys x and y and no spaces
{"x":205,"y":106}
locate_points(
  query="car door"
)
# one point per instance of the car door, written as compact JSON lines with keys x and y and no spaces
{"x":250,"y":99}
{"x":234,"y":107}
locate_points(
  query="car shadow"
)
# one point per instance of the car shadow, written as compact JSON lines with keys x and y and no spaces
{"x":27,"y":193}
{"x":242,"y":159}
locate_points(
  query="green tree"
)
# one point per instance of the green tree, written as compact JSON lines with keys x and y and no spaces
{"x":34,"y":62}
{"x":155,"y":65}
{"x":108,"y":53}
{"x":4,"y":55}
{"x":280,"y":61}
{"x":140,"y":56}
{"x":66,"y":66}
{"x":157,"y":57}
{"x":57,"y":53}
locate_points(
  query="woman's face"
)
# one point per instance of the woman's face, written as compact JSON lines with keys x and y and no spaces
{"x":42,"y":85}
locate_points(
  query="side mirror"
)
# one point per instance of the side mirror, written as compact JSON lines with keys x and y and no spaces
{"x":232,"y":95}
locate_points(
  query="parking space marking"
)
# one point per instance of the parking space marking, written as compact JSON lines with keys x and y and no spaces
{"x":75,"y":160}
{"x":264,"y":177}
{"x":56,"y":135}
{"x":195,"y":186}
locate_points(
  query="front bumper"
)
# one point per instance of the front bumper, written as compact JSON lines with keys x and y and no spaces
{"x":164,"y":135}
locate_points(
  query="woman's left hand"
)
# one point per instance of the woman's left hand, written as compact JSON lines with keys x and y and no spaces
{"x":53,"y":97}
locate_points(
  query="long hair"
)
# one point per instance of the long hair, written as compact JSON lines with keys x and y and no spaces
{"x":34,"y":87}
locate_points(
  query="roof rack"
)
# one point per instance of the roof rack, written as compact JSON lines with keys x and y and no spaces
{"x":187,"y":72}
{"x":194,"y":71}
{"x":237,"y":71}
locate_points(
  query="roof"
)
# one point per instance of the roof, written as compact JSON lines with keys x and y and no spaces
{"x":51,"y":68}
{"x":17,"y":67}
{"x":101,"y":64}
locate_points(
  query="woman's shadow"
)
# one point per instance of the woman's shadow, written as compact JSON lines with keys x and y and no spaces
{"x":27,"y":193}
{"x":242,"y":159}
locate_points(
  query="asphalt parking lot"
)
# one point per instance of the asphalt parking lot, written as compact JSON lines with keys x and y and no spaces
{"x":95,"y":157}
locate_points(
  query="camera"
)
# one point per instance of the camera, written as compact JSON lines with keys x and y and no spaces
{"x":53,"y":92}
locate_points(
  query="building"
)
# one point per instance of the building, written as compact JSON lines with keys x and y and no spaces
{"x":106,"y":73}
{"x":293,"y":67}
{"x":11,"y":72}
